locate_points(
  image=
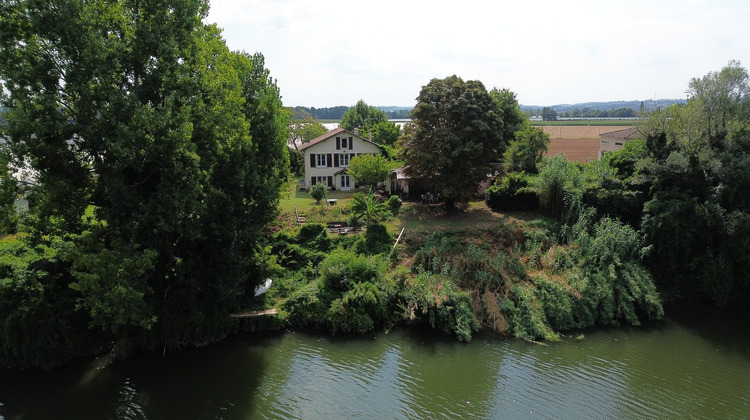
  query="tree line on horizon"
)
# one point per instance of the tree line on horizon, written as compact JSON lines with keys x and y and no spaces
{"x":337,"y":112}
{"x":611,"y":109}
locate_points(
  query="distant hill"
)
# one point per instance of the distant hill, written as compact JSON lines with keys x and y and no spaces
{"x":401,"y":112}
{"x":336,"y":112}
{"x":648,"y":105}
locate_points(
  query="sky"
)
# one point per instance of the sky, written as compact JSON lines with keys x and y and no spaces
{"x":327,"y":53}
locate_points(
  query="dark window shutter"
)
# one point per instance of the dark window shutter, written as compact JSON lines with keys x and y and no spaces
{"x":351,"y":143}
{"x":313,"y":180}
{"x":312,"y":160}
{"x":338,"y":143}
{"x":329,"y":161}
{"x":330,"y":181}
{"x":336,"y":160}
{"x":351,"y":156}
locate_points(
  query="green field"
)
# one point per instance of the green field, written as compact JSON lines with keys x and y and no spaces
{"x":576,"y":123}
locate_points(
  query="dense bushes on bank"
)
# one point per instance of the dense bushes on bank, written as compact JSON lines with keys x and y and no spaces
{"x":532,"y":281}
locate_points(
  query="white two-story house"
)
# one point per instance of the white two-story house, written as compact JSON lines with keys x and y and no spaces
{"x":327,"y":158}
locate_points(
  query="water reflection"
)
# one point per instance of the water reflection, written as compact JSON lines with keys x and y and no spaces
{"x":666,"y":370}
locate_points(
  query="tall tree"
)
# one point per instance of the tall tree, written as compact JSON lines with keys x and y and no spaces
{"x":139,"y":109}
{"x":385,"y":133}
{"x":698,"y":211}
{"x":304,"y":128}
{"x":370,"y":121}
{"x":455,"y":136}
{"x":515,"y":120}
{"x":362,"y":116}
{"x":526,"y":150}
{"x":549,"y":114}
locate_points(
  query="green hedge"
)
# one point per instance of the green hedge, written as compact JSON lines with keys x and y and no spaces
{"x":512,"y":193}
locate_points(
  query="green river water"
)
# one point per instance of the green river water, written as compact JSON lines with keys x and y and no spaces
{"x":685,"y":367}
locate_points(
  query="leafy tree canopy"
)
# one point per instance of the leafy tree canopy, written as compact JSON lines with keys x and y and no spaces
{"x":368,"y":170}
{"x":362,"y":116}
{"x":370,"y":121}
{"x":455,"y":136}
{"x":527,"y":150}
{"x":303,"y":128}
{"x":698,"y":211}
{"x":514,"y":119}
{"x":549,"y":114}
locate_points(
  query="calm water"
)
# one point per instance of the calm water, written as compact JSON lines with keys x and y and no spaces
{"x":685,"y":367}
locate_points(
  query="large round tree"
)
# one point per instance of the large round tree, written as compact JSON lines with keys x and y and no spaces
{"x":455,"y":137}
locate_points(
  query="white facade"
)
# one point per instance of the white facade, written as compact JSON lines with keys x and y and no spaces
{"x":327,"y":158}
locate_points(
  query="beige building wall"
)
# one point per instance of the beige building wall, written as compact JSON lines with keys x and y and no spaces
{"x":325,"y":163}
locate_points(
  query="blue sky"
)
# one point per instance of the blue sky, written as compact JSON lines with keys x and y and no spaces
{"x":328,"y":52}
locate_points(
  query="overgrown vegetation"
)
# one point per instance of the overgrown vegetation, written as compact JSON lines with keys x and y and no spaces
{"x":155,"y":162}
{"x":530,"y":281}
{"x":683,"y":189}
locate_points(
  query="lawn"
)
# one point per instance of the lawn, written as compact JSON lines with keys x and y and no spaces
{"x":417,"y":219}
{"x":292,"y":196}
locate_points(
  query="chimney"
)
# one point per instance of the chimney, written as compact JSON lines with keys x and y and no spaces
{"x":356,"y":131}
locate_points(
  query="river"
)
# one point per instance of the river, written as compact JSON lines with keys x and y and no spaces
{"x":687,"y":366}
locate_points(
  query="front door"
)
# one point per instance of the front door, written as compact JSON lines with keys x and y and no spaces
{"x":345,"y":183}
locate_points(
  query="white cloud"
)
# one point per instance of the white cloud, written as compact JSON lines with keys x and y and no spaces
{"x":329,"y":53}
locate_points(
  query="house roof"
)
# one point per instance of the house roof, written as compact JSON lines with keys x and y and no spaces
{"x":332,"y":133}
{"x":629,"y":133}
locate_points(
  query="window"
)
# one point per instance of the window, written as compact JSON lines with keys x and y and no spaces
{"x":618,"y":143}
{"x":345,"y":183}
{"x":320,"y":180}
{"x":344,"y":143}
{"x":604,"y":142}
{"x":344,"y":159}
{"x":320,"y":159}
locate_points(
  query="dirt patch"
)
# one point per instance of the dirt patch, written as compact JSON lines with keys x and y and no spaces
{"x":575,"y":150}
{"x":577,"y":143}
{"x":579,"y":132}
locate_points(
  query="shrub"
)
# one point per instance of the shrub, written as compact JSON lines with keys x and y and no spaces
{"x":557,"y":179}
{"x":314,"y":236}
{"x":318,"y":192}
{"x":394,"y":203}
{"x":377,"y":240}
{"x":524,"y":313}
{"x":512,"y":194}
{"x":359,"y":309}
{"x":343,"y":268}
{"x":616,"y":287}
{"x":305,"y":307}
{"x":431,"y":298}
{"x":556,"y":303}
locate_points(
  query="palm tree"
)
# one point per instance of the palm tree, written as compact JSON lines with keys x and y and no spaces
{"x":369,"y":208}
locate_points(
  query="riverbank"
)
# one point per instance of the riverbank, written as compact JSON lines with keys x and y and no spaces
{"x":458,"y":273}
